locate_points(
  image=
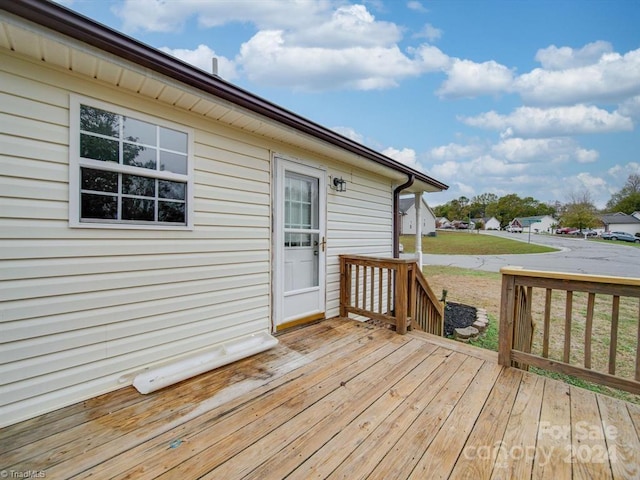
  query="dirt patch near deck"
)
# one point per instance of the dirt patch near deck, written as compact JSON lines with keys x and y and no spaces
{"x":475,"y":288}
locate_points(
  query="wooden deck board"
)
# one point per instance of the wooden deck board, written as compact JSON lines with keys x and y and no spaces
{"x":339,"y":399}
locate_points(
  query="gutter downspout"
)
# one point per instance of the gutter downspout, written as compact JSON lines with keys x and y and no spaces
{"x":396,"y":217}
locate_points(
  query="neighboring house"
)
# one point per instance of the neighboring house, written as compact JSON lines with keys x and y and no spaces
{"x":150,"y":211}
{"x":537,"y":224}
{"x":620,"y":222}
{"x":442,"y":222}
{"x":636,"y":214}
{"x":407,"y":212}
{"x":489,"y":223}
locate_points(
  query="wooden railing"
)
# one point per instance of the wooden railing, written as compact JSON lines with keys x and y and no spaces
{"x":596,"y":337}
{"x":389,"y":290}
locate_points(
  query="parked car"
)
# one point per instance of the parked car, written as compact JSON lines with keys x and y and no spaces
{"x":624,"y":236}
{"x":587,"y":231}
{"x":566,"y":230}
{"x":514,"y":229}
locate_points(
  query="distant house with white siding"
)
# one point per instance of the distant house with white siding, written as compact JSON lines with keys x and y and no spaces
{"x":489,"y":223}
{"x":407,"y":211}
{"x":620,"y":222}
{"x":150,"y":211}
{"x":538,"y":223}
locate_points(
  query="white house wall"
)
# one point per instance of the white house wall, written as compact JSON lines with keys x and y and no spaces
{"x":409,"y":221}
{"x":84,"y":309}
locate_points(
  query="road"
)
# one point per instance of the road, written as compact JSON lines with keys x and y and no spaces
{"x":576,"y":255}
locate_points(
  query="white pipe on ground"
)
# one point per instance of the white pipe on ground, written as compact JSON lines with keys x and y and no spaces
{"x":223,"y":354}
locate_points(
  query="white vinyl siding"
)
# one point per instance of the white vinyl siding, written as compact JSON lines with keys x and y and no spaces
{"x":83,"y":310}
{"x":359,"y":222}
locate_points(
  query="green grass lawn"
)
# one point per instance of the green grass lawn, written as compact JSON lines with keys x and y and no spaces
{"x":468,"y":243}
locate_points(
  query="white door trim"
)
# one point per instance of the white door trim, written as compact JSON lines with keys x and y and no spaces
{"x":318,"y":305}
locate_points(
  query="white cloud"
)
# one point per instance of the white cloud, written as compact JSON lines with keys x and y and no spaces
{"x":416,"y":6}
{"x":268,"y":59}
{"x":429,"y":32}
{"x":621,"y":172}
{"x":454,"y":151}
{"x":552,"y":150}
{"x":554,"y":58}
{"x":630,"y":107}
{"x":349,"y":133}
{"x":551,"y":122}
{"x":586,"y":156}
{"x":171,"y":16}
{"x":613,"y":78}
{"x":470,"y":79}
{"x":464,"y":189}
{"x":445,"y":170}
{"x":590,"y":181}
{"x":406,"y":156}
{"x":349,"y":26}
{"x":430,"y":58}
{"x":202,"y":57}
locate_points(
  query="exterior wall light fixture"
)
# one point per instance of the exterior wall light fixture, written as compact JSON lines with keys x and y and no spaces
{"x":338,"y":184}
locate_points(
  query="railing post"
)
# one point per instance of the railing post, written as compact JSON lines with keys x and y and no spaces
{"x":412,"y":294}
{"x":345,"y":286}
{"x":507,"y":309}
{"x":402,"y":298}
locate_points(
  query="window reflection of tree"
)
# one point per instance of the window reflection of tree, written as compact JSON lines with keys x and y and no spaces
{"x":170,"y":196}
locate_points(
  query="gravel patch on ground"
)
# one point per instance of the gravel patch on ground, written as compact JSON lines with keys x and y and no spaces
{"x":457,"y":315}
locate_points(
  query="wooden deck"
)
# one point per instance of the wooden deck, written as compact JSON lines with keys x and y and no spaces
{"x":339,"y":399}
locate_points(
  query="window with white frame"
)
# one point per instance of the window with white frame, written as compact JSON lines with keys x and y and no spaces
{"x":128,"y":169}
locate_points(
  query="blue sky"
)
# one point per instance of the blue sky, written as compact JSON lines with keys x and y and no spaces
{"x":539,"y":98}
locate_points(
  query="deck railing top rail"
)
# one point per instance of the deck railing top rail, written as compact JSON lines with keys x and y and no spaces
{"x":579,"y":277}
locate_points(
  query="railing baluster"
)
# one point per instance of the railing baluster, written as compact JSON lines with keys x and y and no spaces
{"x":568,"y":313}
{"x":547,"y":323}
{"x":373,"y":286}
{"x":357,"y":299}
{"x":389,"y":291}
{"x":613,"y":346}
{"x":588,"y":329}
{"x":380,"y":275}
{"x":638,"y":347}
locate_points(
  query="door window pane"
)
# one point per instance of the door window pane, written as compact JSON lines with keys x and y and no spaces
{"x":301,"y":204}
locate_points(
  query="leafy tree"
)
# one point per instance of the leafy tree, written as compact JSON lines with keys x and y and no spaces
{"x":579,"y":212}
{"x":480,"y":203}
{"x":626,"y":200}
{"x":490,"y":205}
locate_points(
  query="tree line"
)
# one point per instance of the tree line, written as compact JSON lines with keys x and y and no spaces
{"x":578,"y":211}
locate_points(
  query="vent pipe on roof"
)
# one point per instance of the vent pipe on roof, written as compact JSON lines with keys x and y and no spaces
{"x":214,"y":66}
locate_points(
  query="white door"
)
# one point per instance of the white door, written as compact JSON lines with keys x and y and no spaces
{"x":299,"y":236}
